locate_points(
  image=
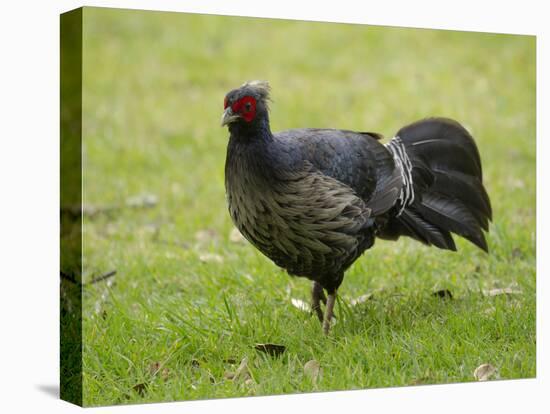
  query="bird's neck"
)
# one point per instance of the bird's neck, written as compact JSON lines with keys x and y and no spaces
{"x":257,"y":130}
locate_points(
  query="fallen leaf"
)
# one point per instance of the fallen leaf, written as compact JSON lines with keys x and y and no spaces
{"x":312,"y":369}
{"x":271,"y":349}
{"x":206,"y":235}
{"x":229,"y":375}
{"x":304,"y":306}
{"x":235,"y":236}
{"x":361,"y":299}
{"x":140,"y":388}
{"x":142,"y":200}
{"x":154,"y":368}
{"x":489,"y":311}
{"x":484,"y":372}
{"x":502,"y":291}
{"x":364,"y":298}
{"x":443,"y":294}
{"x":300,"y":304}
{"x":419,"y":381}
{"x":242,"y":373}
{"x":211,"y":258}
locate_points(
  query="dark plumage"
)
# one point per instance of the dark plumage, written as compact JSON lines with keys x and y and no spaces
{"x":313,"y":200}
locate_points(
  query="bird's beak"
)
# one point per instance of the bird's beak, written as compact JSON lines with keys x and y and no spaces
{"x":228,"y":116}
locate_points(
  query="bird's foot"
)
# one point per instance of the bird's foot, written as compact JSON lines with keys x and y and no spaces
{"x":329,"y":312}
{"x":317,"y":296}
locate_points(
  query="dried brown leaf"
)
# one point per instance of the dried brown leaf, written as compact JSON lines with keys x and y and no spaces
{"x":443,"y":294}
{"x":210,"y":258}
{"x":206,"y":235}
{"x":502,"y":291}
{"x":484,"y":372}
{"x":490,"y":311}
{"x":419,"y":381}
{"x":142,"y":201}
{"x":242,"y":373}
{"x":313,"y":370}
{"x":140,"y":388}
{"x":364,"y":298}
{"x":271,"y":349}
{"x":156,"y":367}
{"x":361,"y":299}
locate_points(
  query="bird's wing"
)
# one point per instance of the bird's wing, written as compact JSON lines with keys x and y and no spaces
{"x":387,"y":192}
{"x":355,"y":159}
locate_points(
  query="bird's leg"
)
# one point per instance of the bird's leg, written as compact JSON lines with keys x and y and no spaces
{"x":329,"y":312}
{"x":317,"y":296}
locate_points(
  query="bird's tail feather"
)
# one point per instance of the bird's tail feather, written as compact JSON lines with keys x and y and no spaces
{"x":446,"y":175}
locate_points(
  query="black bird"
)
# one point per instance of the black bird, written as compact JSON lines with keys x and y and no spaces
{"x":313,"y":200}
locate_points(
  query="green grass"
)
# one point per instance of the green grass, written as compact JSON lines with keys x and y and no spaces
{"x":153,"y":91}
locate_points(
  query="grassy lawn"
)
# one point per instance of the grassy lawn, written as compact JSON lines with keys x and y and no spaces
{"x":187,"y":303}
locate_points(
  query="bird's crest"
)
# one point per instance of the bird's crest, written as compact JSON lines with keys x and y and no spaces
{"x":261,"y":87}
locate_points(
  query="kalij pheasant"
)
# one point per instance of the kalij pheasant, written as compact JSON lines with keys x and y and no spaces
{"x":313,"y":200}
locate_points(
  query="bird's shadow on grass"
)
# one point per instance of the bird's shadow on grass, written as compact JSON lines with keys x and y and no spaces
{"x":49,"y":389}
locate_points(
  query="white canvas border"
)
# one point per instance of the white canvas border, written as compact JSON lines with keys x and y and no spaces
{"x":29,"y":162}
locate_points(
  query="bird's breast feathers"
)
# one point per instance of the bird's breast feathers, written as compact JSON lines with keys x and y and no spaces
{"x":303,"y":220}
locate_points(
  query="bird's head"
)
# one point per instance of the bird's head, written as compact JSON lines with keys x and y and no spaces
{"x":247,"y":105}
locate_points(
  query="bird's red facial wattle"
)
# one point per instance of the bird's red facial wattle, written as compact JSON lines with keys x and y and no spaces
{"x":244,"y":108}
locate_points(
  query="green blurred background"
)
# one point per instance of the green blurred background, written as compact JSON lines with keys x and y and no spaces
{"x":188,"y":299}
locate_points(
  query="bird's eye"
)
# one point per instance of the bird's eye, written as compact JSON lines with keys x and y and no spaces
{"x":247,"y":106}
